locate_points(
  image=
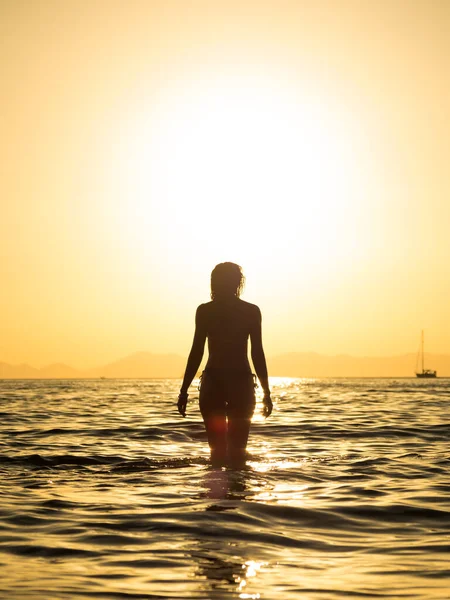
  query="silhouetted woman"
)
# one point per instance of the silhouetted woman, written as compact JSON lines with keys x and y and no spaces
{"x":227,"y":390}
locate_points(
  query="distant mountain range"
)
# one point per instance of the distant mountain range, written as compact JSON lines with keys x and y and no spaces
{"x":139,"y":364}
{"x":293,"y":364}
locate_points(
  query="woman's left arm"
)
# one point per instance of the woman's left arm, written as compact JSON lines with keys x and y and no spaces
{"x":194,"y":360}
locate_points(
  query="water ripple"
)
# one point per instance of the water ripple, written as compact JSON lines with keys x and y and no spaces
{"x":345,"y":493}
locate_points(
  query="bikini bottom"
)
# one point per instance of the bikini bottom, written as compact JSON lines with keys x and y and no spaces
{"x":227,"y":392}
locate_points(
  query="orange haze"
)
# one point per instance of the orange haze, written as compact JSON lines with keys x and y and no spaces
{"x":143,"y":142}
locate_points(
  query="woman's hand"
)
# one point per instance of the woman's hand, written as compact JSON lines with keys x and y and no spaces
{"x":267,"y":405}
{"x":182,"y":403}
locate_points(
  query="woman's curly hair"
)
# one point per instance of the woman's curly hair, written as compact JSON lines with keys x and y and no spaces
{"x":227,"y":279}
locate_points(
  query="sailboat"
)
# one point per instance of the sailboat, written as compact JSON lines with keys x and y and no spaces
{"x":425,"y":373}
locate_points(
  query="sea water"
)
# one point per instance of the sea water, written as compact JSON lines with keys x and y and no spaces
{"x":107,"y":492}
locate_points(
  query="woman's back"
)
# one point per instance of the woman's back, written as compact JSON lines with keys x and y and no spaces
{"x":228,"y":323}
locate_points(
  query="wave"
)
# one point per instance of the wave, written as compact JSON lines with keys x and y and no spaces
{"x":118,"y":463}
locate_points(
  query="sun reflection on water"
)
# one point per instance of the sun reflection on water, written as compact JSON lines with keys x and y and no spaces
{"x":265,"y":467}
{"x":251,"y":569}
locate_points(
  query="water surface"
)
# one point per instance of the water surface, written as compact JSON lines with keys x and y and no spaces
{"x":106,"y":492}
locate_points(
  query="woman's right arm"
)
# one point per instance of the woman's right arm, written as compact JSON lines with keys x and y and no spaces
{"x":259,"y":361}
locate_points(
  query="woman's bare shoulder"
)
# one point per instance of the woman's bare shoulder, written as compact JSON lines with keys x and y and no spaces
{"x":204,"y":307}
{"x":203,"y":310}
{"x":252,"y":309}
{"x":245,"y":308}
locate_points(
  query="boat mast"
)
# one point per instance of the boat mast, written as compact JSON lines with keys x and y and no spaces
{"x":423,"y":360}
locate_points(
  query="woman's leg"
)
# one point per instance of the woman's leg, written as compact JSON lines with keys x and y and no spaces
{"x":216,"y":430}
{"x":241,"y":406}
{"x":212,"y":407}
{"x":238,"y":430}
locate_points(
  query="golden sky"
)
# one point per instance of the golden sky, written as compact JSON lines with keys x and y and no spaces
{"x":144,"y":141}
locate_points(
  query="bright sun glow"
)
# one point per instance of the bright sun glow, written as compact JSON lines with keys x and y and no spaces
{"x":237,"y":168}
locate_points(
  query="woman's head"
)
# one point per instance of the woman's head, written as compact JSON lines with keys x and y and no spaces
{"x":227,"y":280}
